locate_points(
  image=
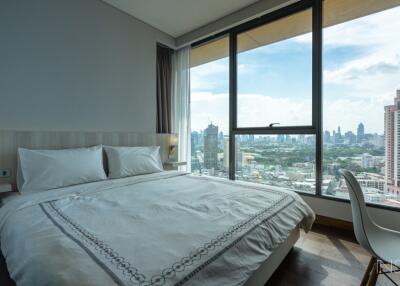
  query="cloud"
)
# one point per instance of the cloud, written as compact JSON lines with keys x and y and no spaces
{"x":258,"y":110}
{"x":210,"y":76}
{"x":253,"y":110}
{"x":354,"y":71}
{"x":207,"y":107}
{"x":357,"y":90}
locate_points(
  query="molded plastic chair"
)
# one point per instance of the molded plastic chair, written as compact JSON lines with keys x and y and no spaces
{"x":382,"y":243}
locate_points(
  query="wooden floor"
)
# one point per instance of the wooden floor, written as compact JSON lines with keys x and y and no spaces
{"x":325,"y":257}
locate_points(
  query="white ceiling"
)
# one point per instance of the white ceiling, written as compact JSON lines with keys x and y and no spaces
{"x":178,"y":17}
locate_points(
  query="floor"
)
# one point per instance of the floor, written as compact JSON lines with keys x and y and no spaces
{"x":321,"y":257}
{"x":325,"y":257}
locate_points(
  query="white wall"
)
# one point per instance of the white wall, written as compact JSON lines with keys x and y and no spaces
{"x":341,"y":210}
{"x":76,"y":65}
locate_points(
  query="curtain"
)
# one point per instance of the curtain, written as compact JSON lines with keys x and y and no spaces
{"x":180,"y":116}
{"x":164,"y":70}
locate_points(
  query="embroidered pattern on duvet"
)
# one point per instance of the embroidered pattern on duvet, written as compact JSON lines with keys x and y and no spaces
{"x":180,"y":272}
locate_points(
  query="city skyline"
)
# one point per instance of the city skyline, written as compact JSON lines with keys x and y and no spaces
{"x":371,"y":157}
{"x":325,"y":130}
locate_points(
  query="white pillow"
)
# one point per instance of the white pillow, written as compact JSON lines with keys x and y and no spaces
{"x":50,"y":169}
{"x":130,"y":161}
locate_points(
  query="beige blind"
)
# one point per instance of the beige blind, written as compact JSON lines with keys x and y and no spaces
{"x":335,"y":12}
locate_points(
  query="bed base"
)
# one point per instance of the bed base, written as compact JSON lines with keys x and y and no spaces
{"x":265,"y":271}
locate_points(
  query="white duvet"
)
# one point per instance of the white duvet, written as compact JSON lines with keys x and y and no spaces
{"x":168,"y":228}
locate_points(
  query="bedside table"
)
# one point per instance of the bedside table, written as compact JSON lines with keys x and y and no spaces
{"x":171,"y":165}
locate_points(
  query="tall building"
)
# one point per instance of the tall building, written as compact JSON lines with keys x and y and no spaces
{"x":350,"y":138}
{"x":194,"y":140}
{"x":360,"y":133}
{"x":251,"y":138}
{"x":327,"y":137}
{"x":226,"y":153}
{"x":239,"y":158}
{"x":392,"y":145}
{"x":221,"y":139}
{"x":211,"y":147}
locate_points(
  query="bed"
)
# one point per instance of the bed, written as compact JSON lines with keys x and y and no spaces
{"x":167,"y":228}
{"x":162,"y":228}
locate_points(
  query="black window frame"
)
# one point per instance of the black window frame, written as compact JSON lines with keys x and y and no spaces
{"x":316,"y":128}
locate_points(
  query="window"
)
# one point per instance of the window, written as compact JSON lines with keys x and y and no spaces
{"x":210,"y":108}
{"x":268,"y":57}
{"x":301,"y":93}
{"x":361,"y":99}
{"x":274,"y":73}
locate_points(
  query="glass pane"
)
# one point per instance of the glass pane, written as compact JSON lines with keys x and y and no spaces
{"x":361,"y":100}
{"x":275,"y":73}
{"x":277,"y":160}
{"x":210,"y":114}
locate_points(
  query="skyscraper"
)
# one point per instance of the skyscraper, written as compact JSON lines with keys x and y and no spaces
{"x":211,"y":147}
{"x":226,"y":153}
{"x":360,"y":133}
{"x":392,"y":145}
{"x":327,"y":137}
{"x":251,"y":138}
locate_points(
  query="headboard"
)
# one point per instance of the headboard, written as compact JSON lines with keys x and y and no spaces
{"x":10,"y":141}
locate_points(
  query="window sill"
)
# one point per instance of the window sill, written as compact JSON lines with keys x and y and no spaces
{"x":329,"y":198}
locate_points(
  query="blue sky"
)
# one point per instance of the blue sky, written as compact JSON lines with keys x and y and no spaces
{"x":361,"y":74}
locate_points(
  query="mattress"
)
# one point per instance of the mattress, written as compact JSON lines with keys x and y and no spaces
{"x":167,"y":228}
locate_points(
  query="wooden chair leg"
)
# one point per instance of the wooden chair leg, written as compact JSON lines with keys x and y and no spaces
{"x":373,"y":276}
{"x":367,"y":273}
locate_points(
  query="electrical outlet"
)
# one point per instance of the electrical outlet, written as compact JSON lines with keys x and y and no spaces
{"x":5,"y":173}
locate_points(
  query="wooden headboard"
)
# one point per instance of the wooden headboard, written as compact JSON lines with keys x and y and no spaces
{"x":11,"y":140}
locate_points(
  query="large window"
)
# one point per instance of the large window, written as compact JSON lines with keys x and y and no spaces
{"x":361,"y":80}
{"x":290,"y":98}
{"x":274,"y":72}
{"x":210,"y":109}
{"x":268,"y":58}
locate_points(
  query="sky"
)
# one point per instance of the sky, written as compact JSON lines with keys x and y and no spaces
{"x":361,"y":73}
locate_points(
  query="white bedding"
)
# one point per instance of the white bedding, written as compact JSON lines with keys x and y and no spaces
{"x":168,"y":228}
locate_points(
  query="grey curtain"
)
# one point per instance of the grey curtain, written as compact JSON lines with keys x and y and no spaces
{"x":164,"y":71}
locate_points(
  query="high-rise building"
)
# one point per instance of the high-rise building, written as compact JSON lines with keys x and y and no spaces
{"x":360,"y":133}
{"x":239,"y":158}
{"x":226,"y":153}
{"x":211,"y":147}
{"x":392,"y":145}
{"x":221,"y":139}
{"x":251,"y":138}
{"x":350,"y":138}
{"x":194,"y":140}
{"x":327,"y":137}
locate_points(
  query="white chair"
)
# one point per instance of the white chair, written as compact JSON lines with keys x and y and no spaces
{"x":382,"y":243}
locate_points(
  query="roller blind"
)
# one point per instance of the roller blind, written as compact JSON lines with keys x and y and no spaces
{"x":335,"y":12}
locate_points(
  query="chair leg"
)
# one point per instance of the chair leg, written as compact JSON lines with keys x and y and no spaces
{"x":373,"y":274}
{"x":365,"y":279}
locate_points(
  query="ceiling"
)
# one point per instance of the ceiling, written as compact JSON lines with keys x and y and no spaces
{"x":178,"y":17}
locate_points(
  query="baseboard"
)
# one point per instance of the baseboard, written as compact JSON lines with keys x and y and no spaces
{"x":334,"y":223}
